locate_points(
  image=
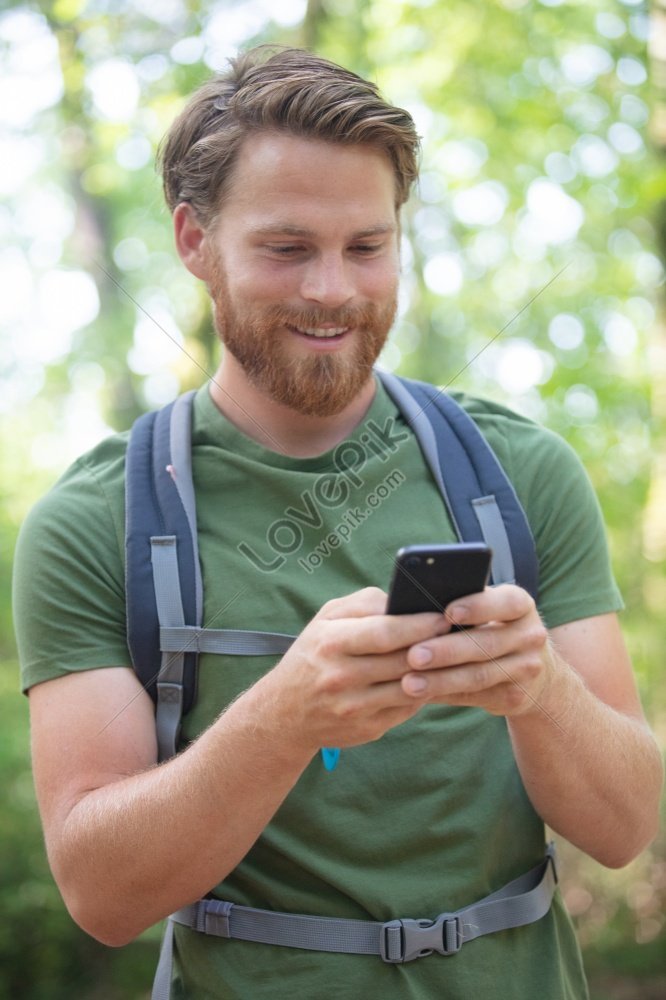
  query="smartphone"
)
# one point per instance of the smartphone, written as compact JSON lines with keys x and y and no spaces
{"x":428,"y":577}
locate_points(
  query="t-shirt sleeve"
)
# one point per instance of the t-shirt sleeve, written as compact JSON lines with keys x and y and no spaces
{"x":69,"y":602}
{"x":575,"y":575}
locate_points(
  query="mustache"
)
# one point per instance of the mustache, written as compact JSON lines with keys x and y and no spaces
{"x":352,"y":316}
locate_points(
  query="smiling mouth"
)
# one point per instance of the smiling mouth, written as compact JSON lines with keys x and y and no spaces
{"x":321,"y":333}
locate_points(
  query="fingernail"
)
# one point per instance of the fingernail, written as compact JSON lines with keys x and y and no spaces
{"x":416,"y":685}
{"x":421,"y":656}
{"x":457,"y":613}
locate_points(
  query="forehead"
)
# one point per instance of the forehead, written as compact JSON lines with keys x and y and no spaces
{"x":289,"y":180}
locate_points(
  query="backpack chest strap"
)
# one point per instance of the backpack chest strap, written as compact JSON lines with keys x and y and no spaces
{"x":232,"y":641}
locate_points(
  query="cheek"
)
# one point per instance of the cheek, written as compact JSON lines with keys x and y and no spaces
{"x":265,"y":283}
{"x":381,"y":281}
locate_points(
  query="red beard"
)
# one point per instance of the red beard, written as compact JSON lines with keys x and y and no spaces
{"x":320,"y":384}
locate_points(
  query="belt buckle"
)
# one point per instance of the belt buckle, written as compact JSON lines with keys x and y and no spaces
{"x":406,"y":940}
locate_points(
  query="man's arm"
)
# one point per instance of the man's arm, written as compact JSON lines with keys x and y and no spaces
{"x":588,"y":760}
{"x":603,"y":794}
{"x":130,"y":841}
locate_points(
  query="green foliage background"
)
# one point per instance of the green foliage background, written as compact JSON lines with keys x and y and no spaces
{"x":508,"y":95}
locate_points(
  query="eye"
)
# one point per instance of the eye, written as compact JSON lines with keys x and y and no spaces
{"x":285,"y":250}
{"x":367,"y":249}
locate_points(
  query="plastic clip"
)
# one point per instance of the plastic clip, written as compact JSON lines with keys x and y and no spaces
{"x":406,"y":940}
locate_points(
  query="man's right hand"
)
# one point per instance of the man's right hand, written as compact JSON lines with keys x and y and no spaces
{"x":339,"y":683}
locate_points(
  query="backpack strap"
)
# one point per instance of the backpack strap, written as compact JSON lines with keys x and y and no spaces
{"x":480,"y":499}
{"x":162,"y":573}
{"x":163,"y":584}
{"x":522,"y":901}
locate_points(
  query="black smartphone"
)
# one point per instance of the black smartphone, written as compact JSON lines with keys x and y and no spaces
{"x":428,"y":577}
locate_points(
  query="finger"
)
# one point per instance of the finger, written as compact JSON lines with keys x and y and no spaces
{"x":374,"y":669}
{"x":508,"y":699}
{"x":477,"y":645}
{"x":368,"y":601}
{"x":386,"y":697}
{"x":363,"y":603}
{"x":384,"y":633}
{"x":348,"y":675}
{"x":503,"y":603}
{"x":522,"y":674}
{"x":504,"y":699}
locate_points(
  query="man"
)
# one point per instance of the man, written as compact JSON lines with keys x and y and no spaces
{"x":285,"y":178}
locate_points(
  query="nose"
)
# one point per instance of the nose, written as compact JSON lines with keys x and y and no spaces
{"x":327,"y":281}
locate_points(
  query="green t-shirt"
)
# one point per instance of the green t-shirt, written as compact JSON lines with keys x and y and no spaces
{"x":431,"y":817}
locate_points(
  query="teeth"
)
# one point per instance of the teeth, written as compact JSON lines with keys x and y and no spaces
{"x":316,"y":332}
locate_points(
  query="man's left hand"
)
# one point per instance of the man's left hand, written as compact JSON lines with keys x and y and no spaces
{"x":501,"y":661}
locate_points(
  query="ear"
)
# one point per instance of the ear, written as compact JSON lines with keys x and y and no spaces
{"x":190,"y":240}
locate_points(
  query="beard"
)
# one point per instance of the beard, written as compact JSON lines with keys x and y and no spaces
{"x":319,"y":384}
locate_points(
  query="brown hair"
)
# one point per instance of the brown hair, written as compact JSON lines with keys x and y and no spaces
{"x":287,"y":90}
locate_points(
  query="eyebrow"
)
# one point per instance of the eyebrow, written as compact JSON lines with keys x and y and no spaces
{"x":287,"y":229}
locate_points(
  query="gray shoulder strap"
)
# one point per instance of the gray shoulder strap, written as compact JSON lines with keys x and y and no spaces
{"x":496,"y":538}
{"x":180,"y":435}
{"x":177,"y":639}
{"x":488,"y":515}
{"x":169,"y":709}
{"x":418,"y":420}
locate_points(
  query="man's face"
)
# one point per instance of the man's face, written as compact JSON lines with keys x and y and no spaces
{"x":304,"y":268}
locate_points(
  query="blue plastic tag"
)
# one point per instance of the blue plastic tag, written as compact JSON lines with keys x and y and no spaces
{"x":330,"y":757}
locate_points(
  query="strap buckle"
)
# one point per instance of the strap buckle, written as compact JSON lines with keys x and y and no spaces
{"x":406,"y":940}
{"x":213,"y":917}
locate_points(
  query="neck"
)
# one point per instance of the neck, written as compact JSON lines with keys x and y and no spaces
{"x":278,"y":427}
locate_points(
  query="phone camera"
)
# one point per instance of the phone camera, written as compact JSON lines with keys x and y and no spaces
{"x":411,"y":562}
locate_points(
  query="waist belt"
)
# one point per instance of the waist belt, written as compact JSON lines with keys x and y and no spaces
{"x":522,"y":901}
